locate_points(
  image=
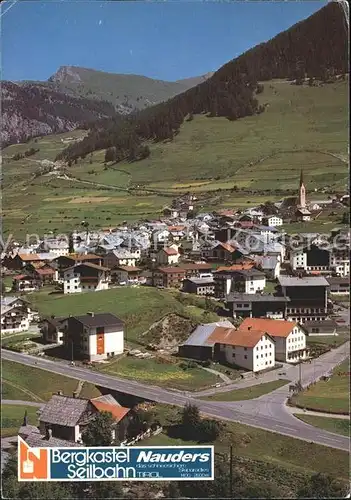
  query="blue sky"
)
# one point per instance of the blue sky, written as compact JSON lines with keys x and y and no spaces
{"x":164,"y":40}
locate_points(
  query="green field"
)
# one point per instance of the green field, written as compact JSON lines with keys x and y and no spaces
{"x":12,"y":418}
{"x":32,"y":384}
{"x":336,"y":425}
{"x":330,"y":340}
{"x":137,"y":307}
{"x":252,"y":392}
{"x":330,"y":396}
{"x":159,"y":373}
{"x":303,"y":127}
{"x":268,"y":448}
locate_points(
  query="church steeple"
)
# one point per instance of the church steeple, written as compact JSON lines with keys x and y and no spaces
{"x":302,"y":192}
{"x":301,"y":178}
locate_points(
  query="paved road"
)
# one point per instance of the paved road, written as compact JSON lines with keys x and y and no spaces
{"x":267,"y":412}
{"x":20,"y":402}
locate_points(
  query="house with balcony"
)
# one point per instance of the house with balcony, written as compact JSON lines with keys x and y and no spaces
{"x":168,"y":277}
{"x":126,"y":275}
{"x":308,"y":297}
{"x":199,"y":286}
{"x":339,"y":285}
{"x":85,"y":278}
{"x":249,"y":281}
{"x":23,"y":283}
{"x":52,"y":330}
{"x":289,"y":337}
{"x":122,"y":257}
{"x":256,"y":305}
{"x":15,"y":316}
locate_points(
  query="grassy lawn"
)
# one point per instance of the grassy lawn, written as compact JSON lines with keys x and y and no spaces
{"x":12,"y":418}
{"x":330,"y":340}
{"x":330,"y":396}
{"x":32,"y":384}
{"x":154,"y":371}
{"x":257,"y":154}
{"x":248,"y":392}
{"x":264,"y":449}
{"x":336,"y":425}
{"x":137,"y":307}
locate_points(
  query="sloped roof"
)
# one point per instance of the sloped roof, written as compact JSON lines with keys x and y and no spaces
{"x":168,"y":270}
{"x":193,"y":266}
{"x":29,"y":257}
{"x":118,"y":412}
{"x":64,"y":410}
{"x":201,"y":334}
{"x":304,"y":281}
{"x":170,"y":251}
{"x":274,"y":327}
{"x":242,"y":338}
{"x":236,"y":267}
{"x":99,"y":319}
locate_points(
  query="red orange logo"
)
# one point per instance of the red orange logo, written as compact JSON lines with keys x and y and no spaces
{"x":33,"y":463}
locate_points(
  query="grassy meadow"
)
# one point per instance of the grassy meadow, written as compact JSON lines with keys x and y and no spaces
{"x":332,"y":396}
{"x":302,"y":127}
{"x":335,"y":425}
{"x":26,"y":383}
{"x":252,"y":392}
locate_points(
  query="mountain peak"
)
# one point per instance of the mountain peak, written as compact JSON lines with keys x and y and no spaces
{"x":66,"y":74}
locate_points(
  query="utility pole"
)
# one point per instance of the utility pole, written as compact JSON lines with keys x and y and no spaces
{"x":231,"y":472}
{"x":300,"y":375}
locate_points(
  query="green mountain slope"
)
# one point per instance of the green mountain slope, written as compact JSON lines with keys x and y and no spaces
{"x":125,"y":92}
{"x":302,"y":127}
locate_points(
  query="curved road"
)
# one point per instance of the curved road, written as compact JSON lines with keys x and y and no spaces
{"x":267,"y":412}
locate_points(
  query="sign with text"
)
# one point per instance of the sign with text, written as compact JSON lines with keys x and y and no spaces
{"x":137,"y":463}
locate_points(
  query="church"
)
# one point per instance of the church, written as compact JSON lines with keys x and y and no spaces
{"x":302,"y":214}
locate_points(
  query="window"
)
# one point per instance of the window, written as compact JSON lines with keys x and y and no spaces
{"x":246,"y":305}
{"x":257,"y":356}
{"x":261,"y":347}
{"x":233,"y":354}
{"x":100,"y":329}
{"x":245,"y":356}
{"x":245,"y":348}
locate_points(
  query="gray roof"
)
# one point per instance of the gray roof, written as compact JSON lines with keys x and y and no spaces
{"x":34,"y":439}
{"x":305,"y":281}
{"x":107,"y":398}
{"x":250,"y":272}
{"x":201,"y":281}
{"x":326,"y":322}
{"x":8,"y":300}
{"x":64,"y":410}
{"x":102,"y":319}
{"x":336,"y":280}
{"x":255,"y":297}
{"x":202,"y":332}
{"x":267,"y":262}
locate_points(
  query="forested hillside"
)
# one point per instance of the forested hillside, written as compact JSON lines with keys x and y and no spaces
{"x":31,"y":110}
{"x":315,"y":48}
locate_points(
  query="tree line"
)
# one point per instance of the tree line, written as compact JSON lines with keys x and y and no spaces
{"x":314,"y":48}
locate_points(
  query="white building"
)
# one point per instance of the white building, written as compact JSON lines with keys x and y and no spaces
{"x":289,"y":337}
{"x":252,"y":350}
{"x":249,"y":281}
{"x":94,"y":336}
{"x":168,"y":256}
{"x":339,"y":261}
{"x":85,"y":278}
{"x":16,"y":315}
{"x":273,"y":221}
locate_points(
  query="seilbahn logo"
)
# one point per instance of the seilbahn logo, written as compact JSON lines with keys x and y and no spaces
{"x":115,"y":463}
